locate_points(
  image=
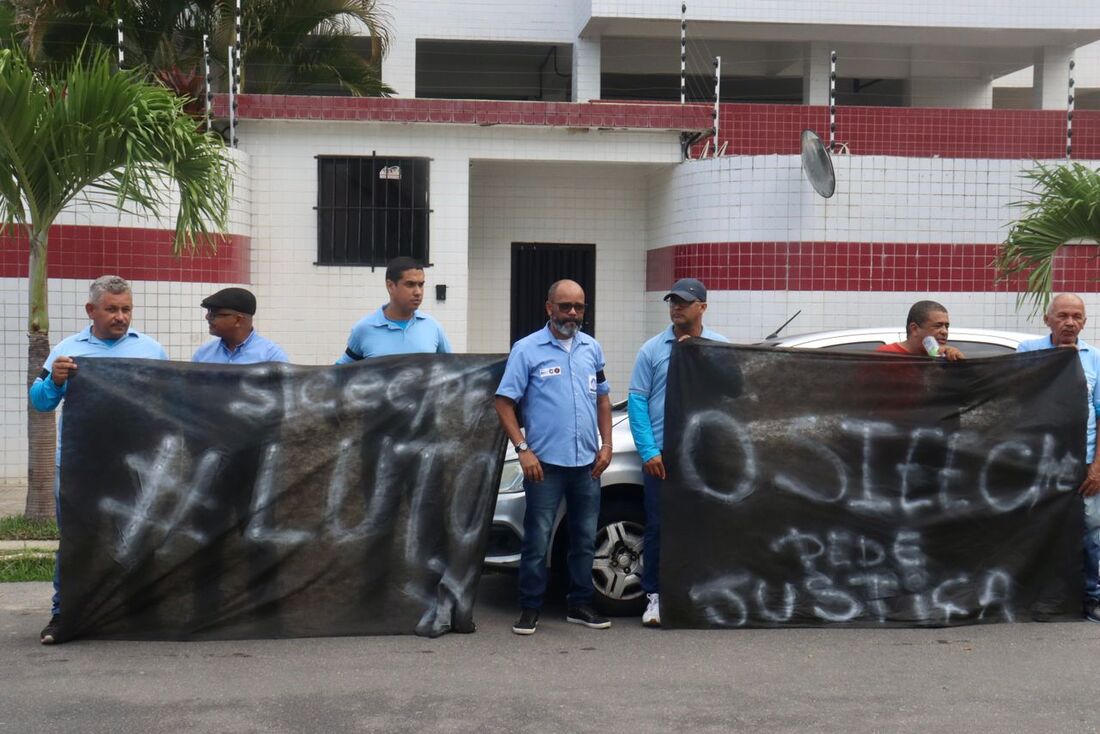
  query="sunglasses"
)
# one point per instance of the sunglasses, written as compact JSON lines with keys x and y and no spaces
{"x":567,"y":307}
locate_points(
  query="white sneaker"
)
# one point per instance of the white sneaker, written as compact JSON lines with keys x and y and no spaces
{"x":652,"y":616}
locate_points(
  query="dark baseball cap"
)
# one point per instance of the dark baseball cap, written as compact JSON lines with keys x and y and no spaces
{"x":689,"y":289}
{"x":235,"y":299}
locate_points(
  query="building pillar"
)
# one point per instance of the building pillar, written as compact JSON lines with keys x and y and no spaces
{"x":815,"y":72}
{"x":586,"y":69}
{"x":1051,"y":86}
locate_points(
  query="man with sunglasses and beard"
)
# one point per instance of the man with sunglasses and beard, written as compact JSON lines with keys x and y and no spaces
{"x":556,"y":376}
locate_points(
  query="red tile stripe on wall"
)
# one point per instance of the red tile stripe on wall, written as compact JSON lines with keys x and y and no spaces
{"x":747,"y":129}
{"x":754,"y":129}
{"x":85,"y":253}
{"x":648,"y":116}
{"x":855,"y":266}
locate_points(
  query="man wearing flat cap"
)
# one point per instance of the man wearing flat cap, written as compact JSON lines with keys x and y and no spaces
{"x":687,"y":302}
{"x":229,"y":313}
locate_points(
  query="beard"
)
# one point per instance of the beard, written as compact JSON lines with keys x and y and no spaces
{"x":567,"y":327}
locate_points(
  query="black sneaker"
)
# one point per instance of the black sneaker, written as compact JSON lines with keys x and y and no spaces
{"x":1092,"y":610}
{"x":587,"y":616}
{"x":528,"y":620}
{"x":49,"y":634}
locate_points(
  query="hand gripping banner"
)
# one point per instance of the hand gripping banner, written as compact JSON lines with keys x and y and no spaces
{"x":212,"y":502}
{"x":821,"y":488}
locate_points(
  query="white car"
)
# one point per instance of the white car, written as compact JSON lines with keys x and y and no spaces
{"x":972,"y":342}
{"x":617,"y":567}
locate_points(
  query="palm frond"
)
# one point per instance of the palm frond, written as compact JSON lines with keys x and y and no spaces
{"x":1065,"y":208}
{"x":113,"y":132}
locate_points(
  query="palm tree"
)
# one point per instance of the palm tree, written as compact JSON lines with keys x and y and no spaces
{"x":1066,"y":209}
{"x":158,"y":34}
{"x":290,"y":46}
{"x":92,"y":129}
{"x":308,"y":46}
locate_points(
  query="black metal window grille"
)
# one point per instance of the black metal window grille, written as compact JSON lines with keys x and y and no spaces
{"x":371,"y":209}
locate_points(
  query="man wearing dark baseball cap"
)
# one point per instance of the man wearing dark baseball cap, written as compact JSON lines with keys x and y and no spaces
{"x":687,"y":301}
{"x":229,"y":314}
{"x":688,"y":289}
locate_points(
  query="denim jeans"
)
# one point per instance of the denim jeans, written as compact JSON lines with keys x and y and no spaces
{"x":1092,"y":547}
{"x":582,"y":509}
{"x":55,"y":603}
{"x":651,"y":539}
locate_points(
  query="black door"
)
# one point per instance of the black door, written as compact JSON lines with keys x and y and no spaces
{"x":535,"y":267}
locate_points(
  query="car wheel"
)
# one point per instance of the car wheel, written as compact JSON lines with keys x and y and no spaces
{"x":617,"y":566}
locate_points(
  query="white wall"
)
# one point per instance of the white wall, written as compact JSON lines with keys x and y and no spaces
{"x":562,"y":203}
{"x":313,"y":307}
{"x":878,"y":199}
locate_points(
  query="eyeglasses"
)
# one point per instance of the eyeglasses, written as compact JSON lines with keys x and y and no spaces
{"x":567,"y":307}
{"x":210,"y":315}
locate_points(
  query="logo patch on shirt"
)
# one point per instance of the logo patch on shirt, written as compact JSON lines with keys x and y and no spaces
{"x":550,"y":371}
{"x":591,"y":383}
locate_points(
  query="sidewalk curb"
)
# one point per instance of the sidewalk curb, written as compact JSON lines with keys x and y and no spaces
{"x":38,"y":545}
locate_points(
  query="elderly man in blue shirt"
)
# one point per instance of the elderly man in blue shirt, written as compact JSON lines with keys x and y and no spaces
{"x":687,"y":302}
{"x":1065,"y":317}
{"x":110,"y":307}
{"x":556,"y":377}
{"x":398,"y":327}
{"x":229,"y":315}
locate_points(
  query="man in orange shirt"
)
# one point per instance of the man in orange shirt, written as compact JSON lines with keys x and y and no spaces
{"x":926,"y":320}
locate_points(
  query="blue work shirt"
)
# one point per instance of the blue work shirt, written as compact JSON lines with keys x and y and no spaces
{"x":45,"y":395}
{"x":648,"y":384}
{"x":252,"y":350}
{"x":377,"y":336}
{"x":556,"y":391}
{"x":1090,"y":363}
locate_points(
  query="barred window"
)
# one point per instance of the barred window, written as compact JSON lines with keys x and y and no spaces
{"x":371,"y":209}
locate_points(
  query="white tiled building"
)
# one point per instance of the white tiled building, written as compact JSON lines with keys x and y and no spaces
{"x":561,"y":147}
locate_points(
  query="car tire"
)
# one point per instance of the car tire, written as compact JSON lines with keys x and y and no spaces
{"x":617,"y":567}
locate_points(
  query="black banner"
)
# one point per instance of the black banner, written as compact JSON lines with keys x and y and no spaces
{"x":211,"y":502}
{"x":812,"y":488}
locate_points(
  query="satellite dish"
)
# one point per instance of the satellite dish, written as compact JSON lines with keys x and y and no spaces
{"x":817,"y":165}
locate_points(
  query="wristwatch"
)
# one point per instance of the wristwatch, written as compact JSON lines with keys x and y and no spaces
{"x":522,"y":446}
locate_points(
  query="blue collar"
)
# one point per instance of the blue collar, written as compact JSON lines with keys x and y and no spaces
{"x":378,"y":318}
{"x":548,"y":336}
{"x":87,"y":336}
{"x":1082,"y":345}
{"x":242,"y":345}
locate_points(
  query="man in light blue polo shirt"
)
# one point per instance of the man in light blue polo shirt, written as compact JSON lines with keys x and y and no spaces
{"x":397,"y":327}
{"x":110,"y":307}
{"x":556,"y":377}
{"x":229,"y":314}
{"x":1065,"y":317}
{"x":687,"y":302}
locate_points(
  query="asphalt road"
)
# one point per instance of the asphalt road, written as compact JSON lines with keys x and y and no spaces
{"x":999,"y":678}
